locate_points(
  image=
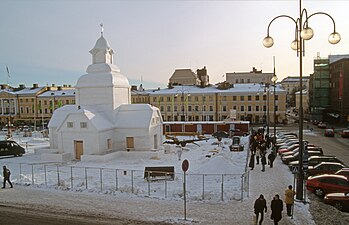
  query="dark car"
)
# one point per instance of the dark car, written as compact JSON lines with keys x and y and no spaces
{"x":324,"y":168}
{"x":327,"y":183}
{"x":11,"y":148}
{"x":295,"y":156}
{"x":322,"y":125}
{"x":329,"y":133}
{"x":314,"y":160}
{"x":343,"y":171}
{"x":221,"y":134}
{"x":338,"y":200}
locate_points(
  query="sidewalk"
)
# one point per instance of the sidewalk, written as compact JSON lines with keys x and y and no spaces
{"x":275,"y":181}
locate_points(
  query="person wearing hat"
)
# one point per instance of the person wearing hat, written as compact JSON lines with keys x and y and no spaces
{"x":6,"y":174}
{"x":260,"y":206}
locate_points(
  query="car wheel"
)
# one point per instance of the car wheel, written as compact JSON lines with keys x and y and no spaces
{"x":338,"y":205}
{"x":319,"y":192}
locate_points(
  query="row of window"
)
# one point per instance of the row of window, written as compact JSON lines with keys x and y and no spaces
{"x":211,"y":108}
{"x":82,"y":124}
{"x":209,"y":98}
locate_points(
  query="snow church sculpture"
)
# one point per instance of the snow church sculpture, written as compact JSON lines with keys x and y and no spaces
{"x":103,"y":120}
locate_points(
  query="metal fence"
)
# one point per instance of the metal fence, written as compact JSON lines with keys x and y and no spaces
{"x":218,"y":187}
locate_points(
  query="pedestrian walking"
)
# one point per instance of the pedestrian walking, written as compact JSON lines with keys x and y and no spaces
{"x":263,"y":161}
{"x":271,"y":158}
{"x":276,"y":209}
{"x":6,"y":174}
{"x":289,"y":199}
{"x":251,"y":164}
{"x":258,"y":153}
{"x":260,"y":206}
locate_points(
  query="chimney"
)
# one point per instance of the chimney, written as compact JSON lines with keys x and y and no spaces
{"x":53,"y":85}
{"x":35,"y":85}
{"x":134,"y":88}
{"x":59,"y":88}
{"x":21,"y":86}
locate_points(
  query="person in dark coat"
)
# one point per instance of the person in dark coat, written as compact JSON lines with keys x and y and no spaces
{"x":251,"y":164}
{"x":263,"y":161}
{"x":260,"y":206}
{"x":271,"y":158}
{"x":276,"y":209}
{"x":6,"y":174}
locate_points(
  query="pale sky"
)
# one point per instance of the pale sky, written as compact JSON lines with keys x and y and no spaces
{"x":48,"y":42}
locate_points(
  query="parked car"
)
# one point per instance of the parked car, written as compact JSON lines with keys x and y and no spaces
{"x":329,"y":133}
{"x":322,"y":125}
{"x":295,"y":156}
{"x":291,"y":148}
{"x":343,"y":171}
{"x":236,"y":146}
{"x":345,"y":134}
{"x":324,"y":168}
{"x":315,"y":122}
{"x":338,"y":200}
{"x":221,"y":134}
{"x":11,"y":148}
{"x":314,"y":160}
{"x":327,"y":183}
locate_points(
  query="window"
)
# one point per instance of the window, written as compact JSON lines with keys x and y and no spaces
{"x":83,"y":125}
{"x":249,"y":108}
{"x":70,"y":124}
{"x":224,"y":108}
{"x":257,"y":108}
{"x":203,"y":108}
{"x":264,"y":97}
{"x":168,"y":99}
{"x":242,"y":108}
{"x":168,"y":108}
{"x":257,"y":97}
{"x":234,"y":98}
{"x":237,"y":81}
{"x":162,"y":108}
{"x":242,"y":81}
{"x":189,"y":107}
{"x":196,"y":98}
{"x":211,"y":108}
{"x":242,"y":98}
{"x":196,"y":108}
{"x":276,"y":97}
{"x":248,"y":81}
{"x":249,"y":98}
{"x":109,"y":144}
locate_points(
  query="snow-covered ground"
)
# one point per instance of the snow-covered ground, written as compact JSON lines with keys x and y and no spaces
{"x":207,"y":158}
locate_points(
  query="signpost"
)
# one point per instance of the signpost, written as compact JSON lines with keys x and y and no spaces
{"x":185,"y":167}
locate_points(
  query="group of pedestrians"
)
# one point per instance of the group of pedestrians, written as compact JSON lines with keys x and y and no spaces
{"x":259,"y":144}
{"x":260,"y":206}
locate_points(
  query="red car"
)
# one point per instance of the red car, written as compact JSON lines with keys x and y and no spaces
{"x":325,"y":168}
{"x":338,"y":200}
{"x":327,"y":183}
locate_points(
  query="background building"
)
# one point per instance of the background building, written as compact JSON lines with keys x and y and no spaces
{"x":254,"y":76}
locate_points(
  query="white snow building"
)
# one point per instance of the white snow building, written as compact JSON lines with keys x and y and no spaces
{"x":103,"y":120}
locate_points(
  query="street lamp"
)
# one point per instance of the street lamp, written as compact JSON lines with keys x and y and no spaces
{"x":184,"y":97}
{"x":266,"y":104}
{"x":274,"y":79}
{"x":302,"y":32}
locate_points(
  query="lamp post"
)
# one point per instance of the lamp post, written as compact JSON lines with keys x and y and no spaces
{"x":302,"y":33}
{"x":274,"y":79}
{"x":184,"y":97}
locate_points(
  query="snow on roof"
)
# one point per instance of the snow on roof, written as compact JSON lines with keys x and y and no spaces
{"x":60,"y":114}
{"x":26,"y":91}
{"x":134,"y":115}
{"x":236,"y":89}
{"x":69,"y":92}
{"x":8,"y":91}
{"x":98,"y":120}
{"x":294,"y":79}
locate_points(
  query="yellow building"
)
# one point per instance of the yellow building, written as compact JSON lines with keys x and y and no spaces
{"x":216,"y":103}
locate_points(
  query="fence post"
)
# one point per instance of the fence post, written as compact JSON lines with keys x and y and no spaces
{"x":148,"y":183}
{"x":86,"y":178}
{"x":248,"y":184}
{"x":45,"y":175}
{"x":242,"y":187}
{"x":71,"y":177}
{"x":132,"y":180}
{"x":116,"y":180}
{"x":20,"y":172}
{"x":101,"y":176}
{"x":165,"y":188}
{"x":222,"y":188}
{"x":203,"y":186}
{"x":32,"y":174}
{"x":57,"y":175}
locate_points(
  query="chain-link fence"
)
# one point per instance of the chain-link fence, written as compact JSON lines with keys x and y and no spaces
{"x":218,"y":187}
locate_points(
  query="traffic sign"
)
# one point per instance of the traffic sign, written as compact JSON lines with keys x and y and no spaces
{"x":185,"y":165}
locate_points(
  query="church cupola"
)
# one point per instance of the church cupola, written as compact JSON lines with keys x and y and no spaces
{"x":102,"y":52}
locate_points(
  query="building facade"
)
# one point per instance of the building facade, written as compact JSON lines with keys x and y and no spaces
{"x":250,"y":102}
{"x":254,"y":76}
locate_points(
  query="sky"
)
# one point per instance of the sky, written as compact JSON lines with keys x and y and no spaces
{"x":48,"y":42}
